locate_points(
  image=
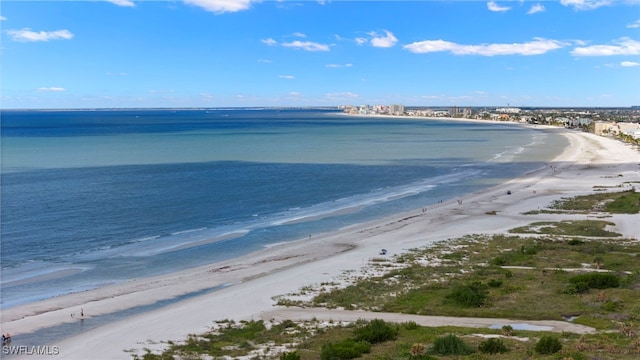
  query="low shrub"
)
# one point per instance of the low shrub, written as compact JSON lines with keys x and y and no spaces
{"x":529,"y":249}
{"x":493,"y":346}
{"x":575,"y":242}
{"x":494,"y":283}
{"x":376,"y":331}
{"x":290,"y":356}
{"x":596,"y":280}
{"x":451,"y":345}
{"x":288,"y":324}
{"x":548,"y":345}
{"x":344,"y":350}
{"x":611,"y":306}
{"x":507,"y":273}
{"x":507,"y":330}
{"x":500,"y":260}
{"x":469,"y":295}
{"x":578,"y":288}
{"x":578,"y":356}
{"x":410,"y":325}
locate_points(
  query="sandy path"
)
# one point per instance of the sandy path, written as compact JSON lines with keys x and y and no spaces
{"x":335,"y":315}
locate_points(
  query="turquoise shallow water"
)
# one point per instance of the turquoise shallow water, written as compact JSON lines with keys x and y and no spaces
{"x":90,"y":198}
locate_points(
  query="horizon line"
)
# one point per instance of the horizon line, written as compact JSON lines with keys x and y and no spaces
{"x":312,"y":107}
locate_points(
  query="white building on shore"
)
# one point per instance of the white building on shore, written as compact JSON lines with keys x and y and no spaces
{"x":509,"y":110}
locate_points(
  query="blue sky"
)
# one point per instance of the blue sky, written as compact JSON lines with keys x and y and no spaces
{"x":219,"y":53}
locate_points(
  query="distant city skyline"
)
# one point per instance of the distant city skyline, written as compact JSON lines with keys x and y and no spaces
{"x":244,"y":53}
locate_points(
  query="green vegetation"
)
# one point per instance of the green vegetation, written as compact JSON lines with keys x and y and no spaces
{"x":364,"y":336}
{"x":624,"y":202}
{"x":376,"y":331}
{"x":478,"y":284}
{"x":290,"y":356}
{"x":629,"y":203}
{"x":493,"y":346}
{"x":469,"y":295}
{"x":235,"y":339}
{"x":344,"y":350}
{"x":584,"y":282}
{"x":507,"y":330}
{"x":593,"y":228}
{"x":451,"y":345}
{"x":548,"y":345}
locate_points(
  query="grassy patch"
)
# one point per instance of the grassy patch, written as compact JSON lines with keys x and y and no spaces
{"x":233,"y":339}
{"x":453,"y":343}
{"x":594,"y":228}
{"x":489,"y":272}
{"x":624,"y":202}
{"x":628,"y":203}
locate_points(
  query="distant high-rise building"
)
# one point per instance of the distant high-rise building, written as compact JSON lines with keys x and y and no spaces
{"x":396,"y":109}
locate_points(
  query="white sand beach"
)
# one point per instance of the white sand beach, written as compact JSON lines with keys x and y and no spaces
{"x":251,"y":282}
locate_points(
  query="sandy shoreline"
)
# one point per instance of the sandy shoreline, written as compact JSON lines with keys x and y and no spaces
{"x":250,"y":282}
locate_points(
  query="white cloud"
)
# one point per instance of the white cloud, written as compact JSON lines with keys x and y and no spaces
{"x":338,"y":65}
{"x":269,"y":42}
{"x":27,"y":35}
{"x":585,"y":4}
{"x":307,"y":45}
{"x":286,"y":76}
{"x":52,"y":89}
{"x":634,"y":25}
{"x":127,"y":3}
{"x":221,"y":6}
{"x":2,"y":18}
{"x":536,"y":47}
{"x":624,"y":46}
{"x":388,"y":40}
{"x":629,"y":63}
{"x":493,"y":6}
{"x":266,"y":61}
{"x":536,"y":9}
{"x":299,"y":34}
{"x":361,"y":41}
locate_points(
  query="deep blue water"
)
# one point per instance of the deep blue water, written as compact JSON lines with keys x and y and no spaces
{"x":95,"y":197}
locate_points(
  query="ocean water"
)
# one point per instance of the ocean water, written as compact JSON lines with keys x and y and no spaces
{"x":91,"y":198}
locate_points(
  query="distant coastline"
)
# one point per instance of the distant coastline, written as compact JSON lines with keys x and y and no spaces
{"x":620,"y":123}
